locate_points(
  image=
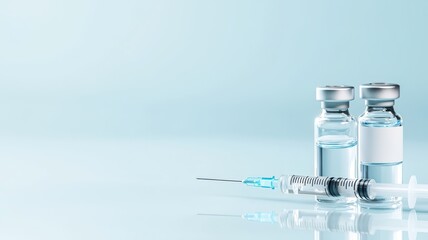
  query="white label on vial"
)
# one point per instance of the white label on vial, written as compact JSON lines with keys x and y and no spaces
{"x":380,"y":144}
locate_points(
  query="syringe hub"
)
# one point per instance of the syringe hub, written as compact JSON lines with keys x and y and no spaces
{"x":263,"y":182}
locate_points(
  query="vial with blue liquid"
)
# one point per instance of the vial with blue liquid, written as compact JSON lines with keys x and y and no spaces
{"x":380,"y":137}
{"x":335,"y":137}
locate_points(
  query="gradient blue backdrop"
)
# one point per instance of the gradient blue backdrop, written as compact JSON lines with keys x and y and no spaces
{"x":99,"y":98}
{"x":201,"y":68}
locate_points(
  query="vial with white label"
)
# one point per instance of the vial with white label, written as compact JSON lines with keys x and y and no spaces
{"x":380,"y":139}
{"x":335,"y":136}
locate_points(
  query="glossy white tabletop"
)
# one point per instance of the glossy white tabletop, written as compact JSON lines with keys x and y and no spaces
{"x":146,"y":189}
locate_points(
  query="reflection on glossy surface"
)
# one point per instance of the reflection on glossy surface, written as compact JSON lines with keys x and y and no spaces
{"x":387,"y":224}
{"x":348,"y":224}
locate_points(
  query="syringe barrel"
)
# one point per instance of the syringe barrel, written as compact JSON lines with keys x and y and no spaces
{"x":326,"y":186}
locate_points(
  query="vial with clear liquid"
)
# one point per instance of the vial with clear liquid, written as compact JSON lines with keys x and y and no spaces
{"x":380,"y":138}
{"x":335,"y":137}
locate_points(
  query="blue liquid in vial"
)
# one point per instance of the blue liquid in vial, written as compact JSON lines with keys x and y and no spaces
{"x":336,"y":157}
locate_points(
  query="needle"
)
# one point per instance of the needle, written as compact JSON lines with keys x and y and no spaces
{"x":220,"y":180}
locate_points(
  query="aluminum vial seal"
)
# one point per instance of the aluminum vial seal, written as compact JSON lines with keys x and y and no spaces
{"x":380,"y":94}
{"x":335,"y":97}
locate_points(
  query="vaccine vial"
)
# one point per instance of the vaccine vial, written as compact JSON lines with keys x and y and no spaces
{"x":380,"y":138}
{"x":335,"y":137}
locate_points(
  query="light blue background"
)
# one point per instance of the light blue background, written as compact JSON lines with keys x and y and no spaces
{"x":99,"y":98}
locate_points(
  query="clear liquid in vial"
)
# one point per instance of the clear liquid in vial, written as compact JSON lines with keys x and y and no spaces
{"x":383,"y":173}
{"x":336,"y":157}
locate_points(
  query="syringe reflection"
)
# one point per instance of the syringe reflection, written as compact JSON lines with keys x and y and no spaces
{"x":365,"y":225}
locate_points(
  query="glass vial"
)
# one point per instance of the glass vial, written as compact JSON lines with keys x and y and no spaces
{"x":335,"y":137}
{"x":380,"y":137}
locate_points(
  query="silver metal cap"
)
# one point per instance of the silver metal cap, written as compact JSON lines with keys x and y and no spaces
{"x":335,"y":96}
{"x":380,"y":94}
{"x":380,"y":91}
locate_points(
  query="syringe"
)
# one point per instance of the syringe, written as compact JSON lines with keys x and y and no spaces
{"x":334,"y":187}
